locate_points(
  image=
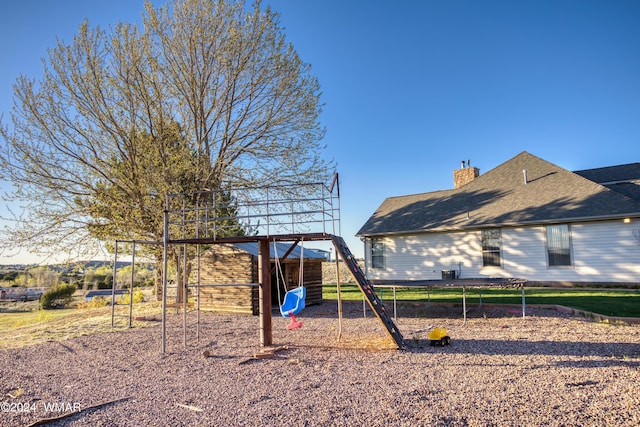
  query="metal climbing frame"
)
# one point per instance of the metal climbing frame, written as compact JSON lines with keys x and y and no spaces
{"x":114,"y":283}
{"x":259,"y":214}
{"x":212,"y":216}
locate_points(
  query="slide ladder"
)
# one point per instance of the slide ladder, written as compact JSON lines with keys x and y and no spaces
{"x":367,"y":290}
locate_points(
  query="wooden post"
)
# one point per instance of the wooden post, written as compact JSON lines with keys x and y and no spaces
{"x":264,"y":272}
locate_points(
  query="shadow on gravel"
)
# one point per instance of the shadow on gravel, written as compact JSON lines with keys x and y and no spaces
{"x":356,"y":309}
{"x":598,"y":363}
{"x":621,"y":353}
{"x":422,"y":310}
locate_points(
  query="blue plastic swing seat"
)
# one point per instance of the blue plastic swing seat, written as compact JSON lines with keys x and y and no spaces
{"x":293,"y":301}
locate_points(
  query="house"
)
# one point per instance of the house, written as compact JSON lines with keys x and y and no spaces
{"x":526,"y":218}
{"x":21,"y":294}
{"x":229,"y":276}
{"x":104,"y":293}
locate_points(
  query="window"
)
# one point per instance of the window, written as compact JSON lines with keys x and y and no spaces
{"x":377,"y":253}
{"x":491,"y":247}
{"x":558,"y":245}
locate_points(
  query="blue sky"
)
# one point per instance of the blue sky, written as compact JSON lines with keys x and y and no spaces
{"x":411,"y":88}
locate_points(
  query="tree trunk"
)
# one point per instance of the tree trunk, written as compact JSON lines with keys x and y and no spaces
{"x":183,"y":277}
{"x":158,"y":278}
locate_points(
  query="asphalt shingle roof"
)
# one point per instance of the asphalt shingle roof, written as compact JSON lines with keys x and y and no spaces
{"x":628,"y":172}
{"x":624,"y":179}
{"x":500,"y":197}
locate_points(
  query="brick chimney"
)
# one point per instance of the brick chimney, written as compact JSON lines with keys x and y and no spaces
{"x":465,"y":174}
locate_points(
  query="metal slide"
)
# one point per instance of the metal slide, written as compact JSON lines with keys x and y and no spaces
{"x":367,"y":290}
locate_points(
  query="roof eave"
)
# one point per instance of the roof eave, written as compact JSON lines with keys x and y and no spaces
{"x":634,"y":215}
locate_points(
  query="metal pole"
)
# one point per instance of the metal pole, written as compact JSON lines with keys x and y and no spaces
{"x":185,"y":296}
{"x":133,"y":269}
{"x":198,"y":298}
{"x":268,"y":219}
{"x":339,"y":298}
{"x":198,"y":275}
{"x":165,"y":265}
{"x":464,"y":304}
{"x":293,"y":219}
{"x":338,"y":193}
{"x":395,"y":307}
{"x":178,"y":282}
{"x":364,"y":307}
{"x":215,"y":215}
{"x":113,"y":285}
{"x":524,"y":303}
{"x":323,"y":202}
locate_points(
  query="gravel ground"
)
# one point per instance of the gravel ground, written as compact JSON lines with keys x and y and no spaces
{"x":549,"y":369}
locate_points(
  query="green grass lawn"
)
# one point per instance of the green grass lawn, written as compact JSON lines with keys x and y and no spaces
{"x":602,"y":301}
{"x":19,"y":318}
{"x":22,"y":323}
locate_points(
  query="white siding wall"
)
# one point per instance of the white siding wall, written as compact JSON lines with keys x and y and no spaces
{"x":601,"y":252}
{"x":423,"y":256}
{"x":606,"y":252}
{"x":524,"y":253}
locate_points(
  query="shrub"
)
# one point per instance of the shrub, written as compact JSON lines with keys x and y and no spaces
{"x":10,"y":276}
{"x":96,"y":302}
{"x":138,"y":296}
{"x":57,"y":296}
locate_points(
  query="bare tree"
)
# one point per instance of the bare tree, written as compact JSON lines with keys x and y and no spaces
{"x":203,"y":95}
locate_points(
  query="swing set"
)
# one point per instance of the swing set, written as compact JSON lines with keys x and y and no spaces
{"x":294,"y":299}
{"x":263,"y":215}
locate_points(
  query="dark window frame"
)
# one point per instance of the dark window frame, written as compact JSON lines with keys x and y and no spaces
{"x":377,"y":254}
{"x":491,"y":242}
{"x":558,"y":245}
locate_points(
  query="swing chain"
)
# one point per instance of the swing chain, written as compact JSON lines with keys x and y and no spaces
{"x":279,"y":273}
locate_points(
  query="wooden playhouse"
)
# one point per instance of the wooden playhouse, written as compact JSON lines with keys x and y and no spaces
{"x":229,"y":276}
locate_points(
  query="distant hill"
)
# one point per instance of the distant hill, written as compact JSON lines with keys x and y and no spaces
{"x":73,"y":267}
{"x":16,"y":267}
{"x":80,"y":266}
